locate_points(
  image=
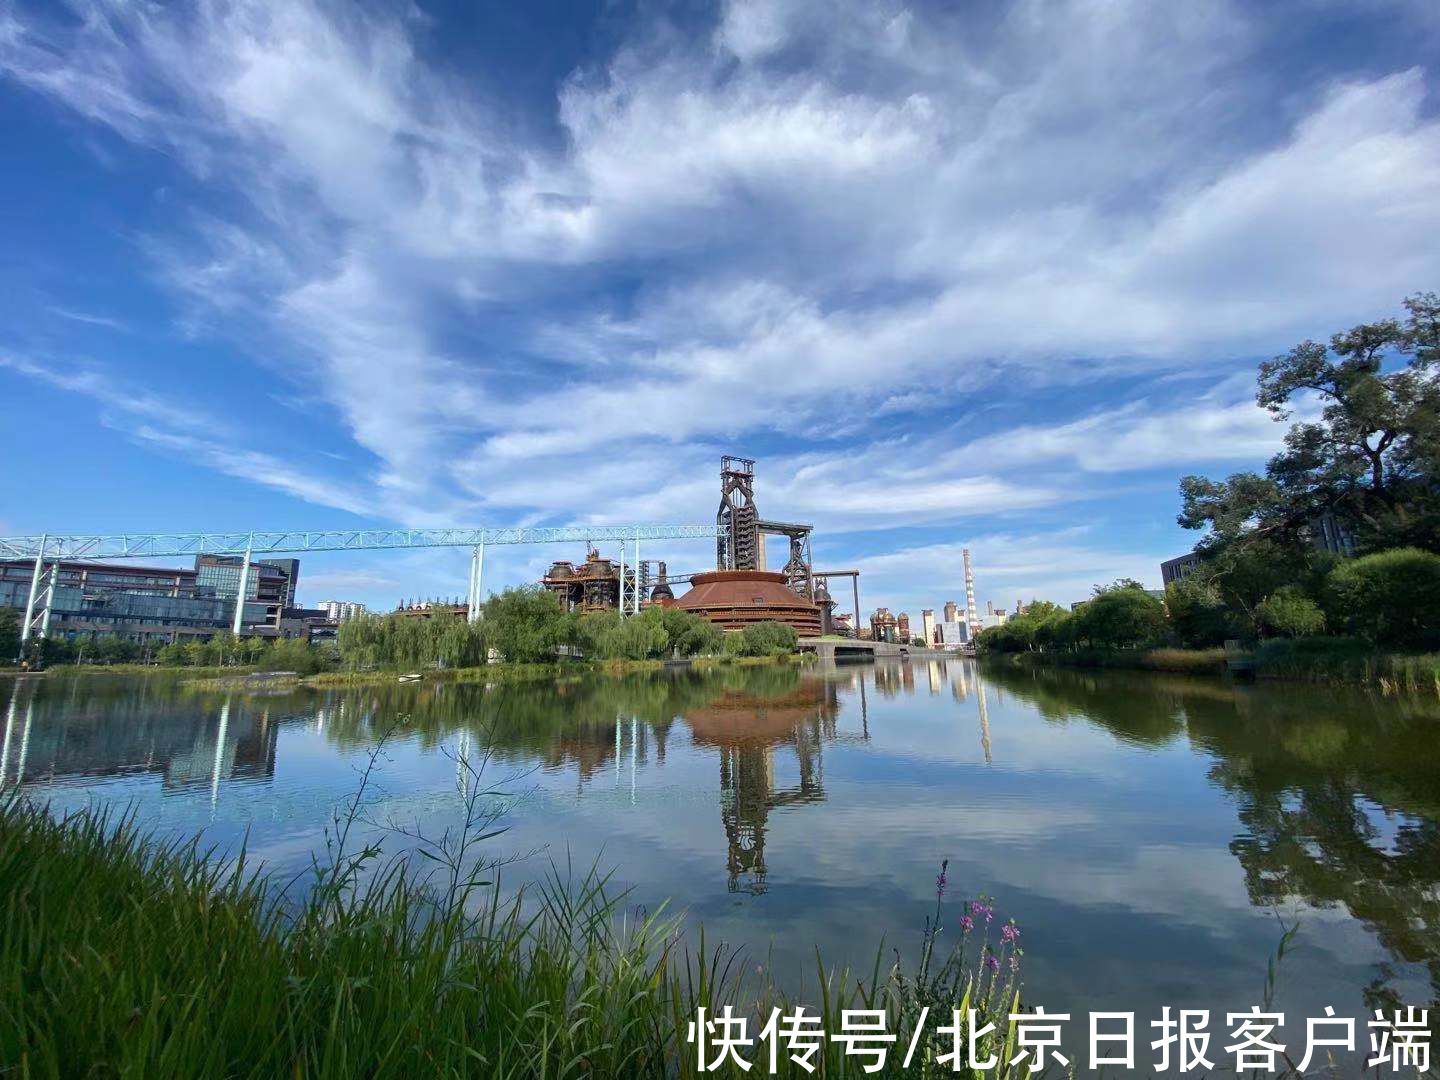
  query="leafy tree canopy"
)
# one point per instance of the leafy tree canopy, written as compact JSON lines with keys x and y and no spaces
{"x":1371,"y":456}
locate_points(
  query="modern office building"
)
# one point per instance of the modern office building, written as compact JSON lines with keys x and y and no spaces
{"x":1179,"y":568}
{"x":150,"y":603}
{"x":291,"y":569}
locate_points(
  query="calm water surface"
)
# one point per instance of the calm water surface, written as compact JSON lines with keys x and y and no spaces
{"x":1145,"y":831}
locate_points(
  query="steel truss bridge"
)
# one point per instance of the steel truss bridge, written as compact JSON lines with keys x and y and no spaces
{"x":276,"y":542}
{"x":52,"y":549}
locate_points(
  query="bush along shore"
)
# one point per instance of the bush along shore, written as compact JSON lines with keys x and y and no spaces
{"x":1321,"y":660}
{"x":1326,"y":566}
{"x":523,"y":629}
{"x":125,"y":956}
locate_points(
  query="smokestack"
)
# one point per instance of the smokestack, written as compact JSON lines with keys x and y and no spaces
{"x":971,"y":616}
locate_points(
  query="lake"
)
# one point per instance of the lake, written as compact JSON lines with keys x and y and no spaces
{"x":1149,"y":834}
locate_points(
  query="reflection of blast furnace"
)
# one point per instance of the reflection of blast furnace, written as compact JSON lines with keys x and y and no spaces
{"x":748,"y":731}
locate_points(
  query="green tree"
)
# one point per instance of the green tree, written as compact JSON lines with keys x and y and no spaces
{"x":526,"y":625}
{"x":293,"y":654}
{"x":1288,"y":612}
{"x":172,"y":655}
{"x":1372,"y":457}
{"x":9,"y":634}
{"x":690,"y":634}
{"x":1391,"y":597}
{"x":1122,"y":615}
{"x":1197,"y":613}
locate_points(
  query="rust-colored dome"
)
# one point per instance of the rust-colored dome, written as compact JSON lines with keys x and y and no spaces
{"x":735,"y":599}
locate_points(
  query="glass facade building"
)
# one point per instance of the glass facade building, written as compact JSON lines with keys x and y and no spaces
{"x":147,"y":603}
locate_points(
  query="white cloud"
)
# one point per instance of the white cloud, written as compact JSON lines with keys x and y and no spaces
{"x":833,"y":214}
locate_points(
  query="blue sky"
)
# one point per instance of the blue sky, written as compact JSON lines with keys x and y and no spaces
{"x":984,"y":274}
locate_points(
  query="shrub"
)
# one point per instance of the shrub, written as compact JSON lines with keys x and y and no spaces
{"x":1391,"y":597}
{"x":1288,"y":612}
{"x":762,"y":639}
{"x":1122,"y":616}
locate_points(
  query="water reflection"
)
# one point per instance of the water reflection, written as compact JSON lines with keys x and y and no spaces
{"x":1109,"y":809}
{"x":1337,"y":792}
{"x":79,"y":733}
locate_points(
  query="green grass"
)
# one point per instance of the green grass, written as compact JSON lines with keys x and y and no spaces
{"x":123,"y":956}
{"x":1326,"y":659}
{"x":151,"y":669}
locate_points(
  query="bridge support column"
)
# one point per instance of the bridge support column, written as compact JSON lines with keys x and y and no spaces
{"x":53,"y":580}
{"x":477,"y":577}
{"x":244,"y":586}
{"x":622,"y":581}
{"x":34,"y":593}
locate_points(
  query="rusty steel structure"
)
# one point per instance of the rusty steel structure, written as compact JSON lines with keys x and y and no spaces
{"x":884,"y":626}
{"x":594,"y":585}
{"x":740,"y":531}
{"x":737,"y":522}
{"x":739,"y":592}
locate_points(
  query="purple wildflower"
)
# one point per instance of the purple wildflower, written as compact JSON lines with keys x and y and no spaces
{"x":940,"y":881}
{"x":966,"y":923}
{"x":1014,"y":963}
{"x":983,"y":909}
{"x":992,"y":962}
{"x":1010,"y":933}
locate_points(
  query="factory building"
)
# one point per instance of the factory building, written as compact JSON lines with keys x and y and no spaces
{"x":594,"y":585}
{"x":430,"y":608}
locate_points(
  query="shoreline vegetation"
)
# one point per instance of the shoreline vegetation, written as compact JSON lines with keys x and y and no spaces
{"x":521,"y":628}
{"x":1323,"y":568}
{"x":1313,"y":660}
{"x":499,"y":672}
{"x":398,"y":967}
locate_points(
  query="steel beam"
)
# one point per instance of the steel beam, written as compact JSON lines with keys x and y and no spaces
{"x":273,"y":542}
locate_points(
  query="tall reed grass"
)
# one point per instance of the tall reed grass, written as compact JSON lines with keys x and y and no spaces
{"x":126,"y":956}
{"x":1326,"y":659}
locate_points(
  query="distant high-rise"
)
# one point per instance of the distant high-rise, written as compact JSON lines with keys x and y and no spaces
{"x":340,"y":610}
{"x":927,"y":626}
{"x":952,"y":612}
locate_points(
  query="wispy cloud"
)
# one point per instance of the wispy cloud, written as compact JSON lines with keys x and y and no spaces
{"x":89,"y":319}
{"x":826,"y":230}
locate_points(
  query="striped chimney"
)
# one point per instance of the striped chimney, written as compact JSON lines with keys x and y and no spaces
{"x":971,"y":615}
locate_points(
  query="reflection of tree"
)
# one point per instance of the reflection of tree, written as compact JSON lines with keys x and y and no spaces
{"x":1337,"y":792}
